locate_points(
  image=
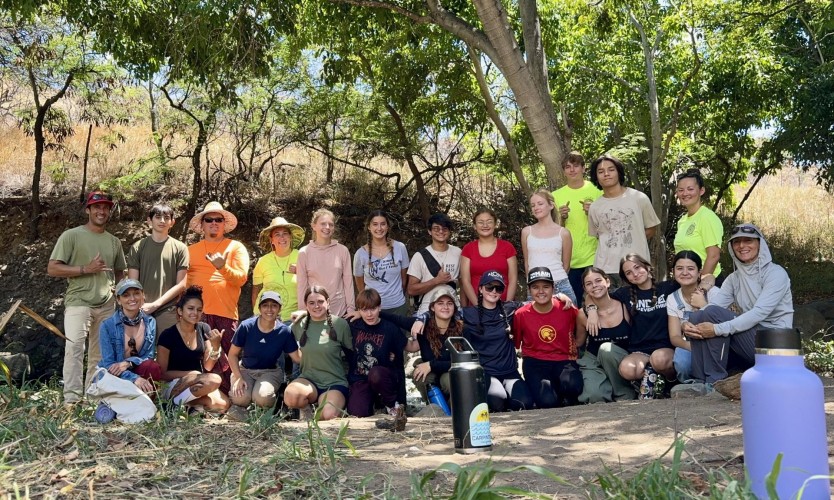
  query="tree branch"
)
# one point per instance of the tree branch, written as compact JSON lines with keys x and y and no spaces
{"x":622,"y":81}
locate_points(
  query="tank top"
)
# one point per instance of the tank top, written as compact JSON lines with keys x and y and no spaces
{"x":619,"y":335}
{"x":546,"y":252}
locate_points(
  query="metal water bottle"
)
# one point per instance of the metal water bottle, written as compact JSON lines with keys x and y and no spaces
{"x":436,"y":397}
{"x":470,"y":413}
{"x":783,"y":412}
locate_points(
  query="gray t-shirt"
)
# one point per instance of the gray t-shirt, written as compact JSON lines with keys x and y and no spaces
{"x":384,"y":274}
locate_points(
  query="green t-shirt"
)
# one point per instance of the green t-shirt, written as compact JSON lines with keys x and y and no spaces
{"x":584,"y":245}
{"x":274,"y":274}
{"x":321,"y":361}
{"x":78,"y":247}
{"x":158,"y":264}
{"x":699,"y":231}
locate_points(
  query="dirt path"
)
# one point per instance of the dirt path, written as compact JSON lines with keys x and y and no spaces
{"x":575,"y":443}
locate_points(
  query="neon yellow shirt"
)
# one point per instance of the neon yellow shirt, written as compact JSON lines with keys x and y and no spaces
{"x":274,"y":274}
{"x":699,"y":231}
{"x":584,"y":245}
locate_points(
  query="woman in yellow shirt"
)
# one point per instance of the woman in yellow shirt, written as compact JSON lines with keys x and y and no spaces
{"x":275,"y":271}
{"x":699,"y":229}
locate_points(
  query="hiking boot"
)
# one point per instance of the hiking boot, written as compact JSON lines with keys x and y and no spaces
{"x":237,"y":414}
{"x":396,"y":421}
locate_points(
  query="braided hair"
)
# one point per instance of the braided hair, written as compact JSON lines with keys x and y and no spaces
{"x":331,"y":332}
{"x":500,"y":307}
{"x":388,"y":240}
{"x":637,"y":260}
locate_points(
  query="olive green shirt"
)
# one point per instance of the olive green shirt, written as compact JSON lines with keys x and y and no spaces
{"x":78,"y":247}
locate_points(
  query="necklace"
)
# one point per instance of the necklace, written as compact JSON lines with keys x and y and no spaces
{"x":284,"y":269}
{"x":216,"y":247}
{"x":184,"y":336}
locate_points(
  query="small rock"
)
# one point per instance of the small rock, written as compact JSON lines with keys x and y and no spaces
{"x":18,"y":364}
{"x":730,"y":387}
{"x":431,"y":410}
{"x":685,"y":391}
{"x":810,"y":321}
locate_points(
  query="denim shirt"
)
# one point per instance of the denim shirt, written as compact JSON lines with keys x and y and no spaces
{"x":112,"y":342}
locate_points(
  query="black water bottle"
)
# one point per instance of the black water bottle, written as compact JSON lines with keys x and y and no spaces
{"x":470,"y":413}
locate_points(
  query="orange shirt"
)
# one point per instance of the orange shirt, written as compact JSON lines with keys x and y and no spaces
{"x":221,"y":288}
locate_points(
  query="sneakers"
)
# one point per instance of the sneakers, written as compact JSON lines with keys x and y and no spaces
{"x":647,"y":386}
{"x":397,"y":420}
{"x":237,"y":414}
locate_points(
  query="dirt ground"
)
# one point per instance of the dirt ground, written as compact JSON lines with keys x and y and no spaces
{"x":576,"y":443}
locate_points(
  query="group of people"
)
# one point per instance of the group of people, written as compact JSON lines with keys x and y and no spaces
{"x":344,"y":322}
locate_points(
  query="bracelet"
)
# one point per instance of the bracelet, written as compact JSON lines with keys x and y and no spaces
{"x":590,"y":307}
{"x":413,"y":338}
{"x":215,"y":355}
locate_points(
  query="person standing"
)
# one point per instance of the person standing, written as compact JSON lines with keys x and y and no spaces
{"x":579,"y":193}
{"x":547,"y":244}
{"x":219,"y":265}
{"x":382,"y":264}
{"x":92,"y":260}
{"x":160,"y":263}
{"x":276,"y":271}
{"x":622,"y":218}
{"x":699,"y":229}
{"x":437,"y":264}
{"x":326,"y":262}
{"x":487,"y":253}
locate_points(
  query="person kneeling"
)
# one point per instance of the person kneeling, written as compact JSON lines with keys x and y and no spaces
{"x":128,"y":339}
{"x":263,"y":340}
{"x":760,"y":288}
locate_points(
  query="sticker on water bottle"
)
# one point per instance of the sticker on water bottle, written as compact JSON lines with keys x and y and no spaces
{"x":479,"y":434}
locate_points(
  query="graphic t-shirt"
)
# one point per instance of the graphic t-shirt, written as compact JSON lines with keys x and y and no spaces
{"x":584,"y":245}
{"x":620,"y":224}
{"x":545,"y":336}
{"x":158,"y":265}
{"x":273,"y":273}
{"x":374,"y":345}
{"x":649,"y":322}
{"x":321,"y":359}
{"x":78,"y":247}
{"x":699,"y":231}
{"x":181,"y":358}
{"x":384,"y":274}
{"x":479,"y":264}
{"x":448,"y":260}
{"x":263,"y":351}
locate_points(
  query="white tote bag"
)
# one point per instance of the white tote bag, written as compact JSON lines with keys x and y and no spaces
{"x":128,"y":401}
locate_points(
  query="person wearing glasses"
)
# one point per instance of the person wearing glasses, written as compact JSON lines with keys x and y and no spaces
{"x":160,"y":263}
{"x":762,"y":291}
{"x":437,"y":264}
{"x":220,"y":266}
{"x":622,"y":218}
{"x":128,"y":339}
{"x":92,"y":261}
{"x":699,"y":229}
{"x":487,"y":253}
{"x":275,"y":270}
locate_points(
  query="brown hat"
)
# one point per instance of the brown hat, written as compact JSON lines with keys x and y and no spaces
{"x":213,"y":207}
{"x":295,"y":230}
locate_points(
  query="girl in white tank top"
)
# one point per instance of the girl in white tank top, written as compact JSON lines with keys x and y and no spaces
{"x":547,"y":244}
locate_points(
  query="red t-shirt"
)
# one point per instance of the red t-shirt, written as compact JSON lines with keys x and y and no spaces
{"x":549,"y":336}
{"x":478,"y":264}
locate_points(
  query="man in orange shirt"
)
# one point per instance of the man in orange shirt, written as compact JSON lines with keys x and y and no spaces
{"x":220,"y":265}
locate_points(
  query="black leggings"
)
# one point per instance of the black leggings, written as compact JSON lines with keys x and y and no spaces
{"x":553,"y":383}
{"x":508,"y":393}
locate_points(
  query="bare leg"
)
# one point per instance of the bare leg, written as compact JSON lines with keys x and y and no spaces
{"x":332,"y":403}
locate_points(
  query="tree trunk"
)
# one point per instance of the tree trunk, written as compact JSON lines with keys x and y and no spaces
{"x":512,"y":152}
{"x":84,"y":166}
{"x":157,"y":136}
{"x":40,"y":140}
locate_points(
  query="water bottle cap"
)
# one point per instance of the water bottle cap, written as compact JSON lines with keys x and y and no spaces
{"x":778,"y":338}
{"x":461,"y":350}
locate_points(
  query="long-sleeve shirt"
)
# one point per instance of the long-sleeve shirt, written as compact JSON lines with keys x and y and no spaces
{"x":328,"y":266}
{"x":111,"y":340}
{"x":221,"y":287}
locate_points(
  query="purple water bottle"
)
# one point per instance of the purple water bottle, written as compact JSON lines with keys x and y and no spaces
{"x":783,"y":411}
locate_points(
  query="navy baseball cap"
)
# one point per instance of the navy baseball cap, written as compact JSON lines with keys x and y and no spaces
{"x":490,"y":276}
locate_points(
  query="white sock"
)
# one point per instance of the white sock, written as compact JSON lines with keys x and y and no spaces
{"x":184,"y":397}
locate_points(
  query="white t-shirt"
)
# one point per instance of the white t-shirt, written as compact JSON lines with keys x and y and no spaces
{"x":449,"y":261}
{"x":677,"y":306}
{"x":620,"y":224}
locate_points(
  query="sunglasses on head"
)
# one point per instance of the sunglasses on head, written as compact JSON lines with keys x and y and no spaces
{"x":213,"y":219}
{"x":745,"y":230}
{"x":494,"y":288}
{"x":131,"y":344}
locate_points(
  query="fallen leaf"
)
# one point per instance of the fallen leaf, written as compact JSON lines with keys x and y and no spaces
{"x":69,"y":457}
{"x":66,"y":489}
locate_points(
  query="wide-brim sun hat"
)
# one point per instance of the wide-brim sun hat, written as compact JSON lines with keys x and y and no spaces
{"x":296,"y":231}
{"x":441,"y":291}
{"x":196,"y":223}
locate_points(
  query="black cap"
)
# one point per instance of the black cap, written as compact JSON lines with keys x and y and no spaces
{"x":779,"y":338}
{"x":539,"y":274}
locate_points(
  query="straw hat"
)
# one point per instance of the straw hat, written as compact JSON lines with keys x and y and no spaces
{"x":213,"y":207}
{"x":296,"y":231}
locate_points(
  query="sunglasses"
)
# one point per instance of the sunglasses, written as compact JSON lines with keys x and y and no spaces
{"x":131,"y":344}
{"x":494,"y":288}
{"x":213,"y":219}
{"x":745,"y":230}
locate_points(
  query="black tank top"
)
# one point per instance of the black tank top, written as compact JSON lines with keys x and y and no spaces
{"x":619,"y":335}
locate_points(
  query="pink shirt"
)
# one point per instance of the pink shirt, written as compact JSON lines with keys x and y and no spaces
{"x":479,"y":264}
